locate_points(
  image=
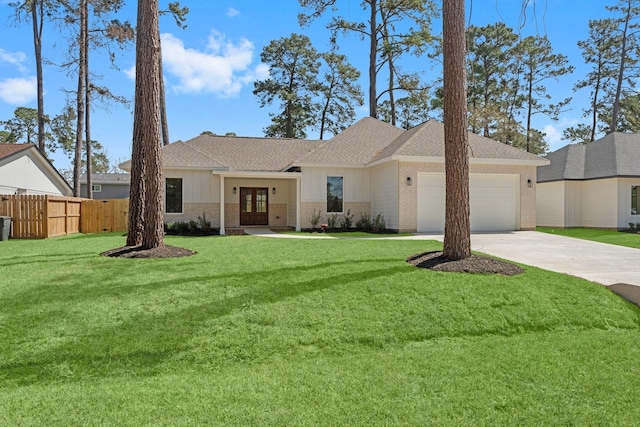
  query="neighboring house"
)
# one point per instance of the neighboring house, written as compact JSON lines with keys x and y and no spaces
{"x":106,"y":185}
{"x":25,"y":171}
{"x":592,"y":185}
{"x":372,"y":167}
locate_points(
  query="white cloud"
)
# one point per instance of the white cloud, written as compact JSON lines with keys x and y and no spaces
{"x":222,"y":68}
{"x":130,"y":72}
{"x":13,"y":58}
{"x":232,"y":12}
{"x":553,"y":133}
{"x":18,"y":90}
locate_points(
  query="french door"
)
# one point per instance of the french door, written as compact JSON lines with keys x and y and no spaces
{"x":254,"y":206}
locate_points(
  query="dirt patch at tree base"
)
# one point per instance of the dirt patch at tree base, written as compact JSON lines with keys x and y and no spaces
{"x":474,"y":264}
{"x":164,"y":251}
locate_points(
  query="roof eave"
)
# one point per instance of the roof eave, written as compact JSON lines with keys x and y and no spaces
{"x":472,"y":160}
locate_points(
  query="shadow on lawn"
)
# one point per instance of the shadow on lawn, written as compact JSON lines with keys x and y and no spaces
{"x":139,"y":345}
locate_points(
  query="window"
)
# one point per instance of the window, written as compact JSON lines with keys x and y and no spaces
{"x":334,"y":194}
{"x":96,"y":188}
{"x":635,"y":201}
{"x":173,"y":196}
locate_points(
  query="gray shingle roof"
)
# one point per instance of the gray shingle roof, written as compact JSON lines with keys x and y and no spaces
{"x":356,"y":145}
{"x":427,"y":140}
{"x":252,"y":154}
{"x":108,"y":178}
{"x":617,"y":154}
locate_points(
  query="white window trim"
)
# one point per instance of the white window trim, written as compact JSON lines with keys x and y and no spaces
{"x":96,"y":188}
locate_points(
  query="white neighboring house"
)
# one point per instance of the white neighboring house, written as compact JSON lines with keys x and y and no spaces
{"x":25,"y":171}
{"x":370,"y":168}
{"x":592,"y":185}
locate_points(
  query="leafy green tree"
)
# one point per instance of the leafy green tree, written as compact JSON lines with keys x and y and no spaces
{"x":411,"y":110}
{"x":627,"y":26}
{"x":63,"y":130}
{"x":598,"y":51}
{"x":393,"y":28}
{"x":492,"y":76}
{"x":539,"y":65}
{"x":23,"y":127}
{"x":338,"y":91}
{"x":7,"y":137}
{"x":293,"y":67}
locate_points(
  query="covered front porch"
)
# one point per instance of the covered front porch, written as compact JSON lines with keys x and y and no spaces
{"x":267,"y":199}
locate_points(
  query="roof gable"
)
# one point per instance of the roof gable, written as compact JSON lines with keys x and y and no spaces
{"x":616,"y":154}
{"x":356,"y":145}
{"x":427,"y":140}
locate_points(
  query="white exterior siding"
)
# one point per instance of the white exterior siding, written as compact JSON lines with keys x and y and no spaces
{"x":573,"y":203}
{"x":624,"y":202}
{"x":314,"y":184}
{"x":599,"y":201}
{"x":197,"y":186}
{"x":550,"y":204}
{"x":384,"y":193}
{"x":26,"y":175}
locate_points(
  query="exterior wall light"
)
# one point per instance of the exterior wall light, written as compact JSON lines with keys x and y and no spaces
{"x":273,"y":190}
{"x":529,"y":183}
{"x":235,"y":190}
{"x":409,"y":181}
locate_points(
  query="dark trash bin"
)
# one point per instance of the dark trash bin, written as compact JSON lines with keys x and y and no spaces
{"x":5,"y":227}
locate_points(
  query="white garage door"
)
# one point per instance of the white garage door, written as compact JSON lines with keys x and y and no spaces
{"x":493,"y":200}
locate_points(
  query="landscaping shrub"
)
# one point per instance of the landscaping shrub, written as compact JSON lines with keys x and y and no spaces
{"x":364,"y":223}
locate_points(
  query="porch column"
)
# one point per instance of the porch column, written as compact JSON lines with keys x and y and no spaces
{"x":222,"y":231}
{"x":298,"y":195}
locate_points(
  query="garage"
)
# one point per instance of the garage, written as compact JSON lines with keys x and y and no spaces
{"x":493,"y":198}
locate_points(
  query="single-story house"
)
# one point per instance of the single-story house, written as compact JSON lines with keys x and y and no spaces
{"x":591,"y":185}
{"x":24,"y":170}
{"x":370,"y":168}
{"x":106,"y":185}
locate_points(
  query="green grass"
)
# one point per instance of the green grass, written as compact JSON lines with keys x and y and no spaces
{"x":257,"y":331}
{"x":613,"y":237}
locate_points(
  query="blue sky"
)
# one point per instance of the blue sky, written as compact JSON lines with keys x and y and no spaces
{"x":211,"y":65}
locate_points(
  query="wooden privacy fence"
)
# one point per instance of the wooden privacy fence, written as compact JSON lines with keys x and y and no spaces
{"x":104,"y":216}
{"x":41,"y":217}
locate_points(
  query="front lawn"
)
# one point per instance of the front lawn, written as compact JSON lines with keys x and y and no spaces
{"x":259,"y":331}
{"x":613,"y":237}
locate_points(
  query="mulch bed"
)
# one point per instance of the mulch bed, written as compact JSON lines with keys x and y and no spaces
{"x":165,"y":251}
{"x":474,"y":264}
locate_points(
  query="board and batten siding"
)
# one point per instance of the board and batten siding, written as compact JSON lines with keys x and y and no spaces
{"x":599,"y":198}
{"x":550,"y":204}
{"x":355,"y":182}
{"x":26,"y":174}
{"x":197,"y":186}
{"x":384,"y":193}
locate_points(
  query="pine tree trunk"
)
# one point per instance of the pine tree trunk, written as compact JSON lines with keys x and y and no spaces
{"x":77,"y":163}
{"x":373,"y":55}
{"x":163,"y":106}
{"x":147,"y":127}
{"x":87,"y":103}
{"x":457,"y":234}
{"x":37,"y":23}
{"x":623,"y":57}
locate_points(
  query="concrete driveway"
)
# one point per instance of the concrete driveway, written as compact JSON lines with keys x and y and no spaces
{"x":598,"y":262}
{"x":616,"y":267}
